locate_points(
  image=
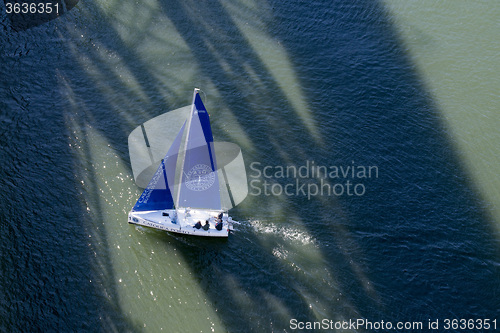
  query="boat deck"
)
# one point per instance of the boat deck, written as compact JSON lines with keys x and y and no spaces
{"x":183,"y":221}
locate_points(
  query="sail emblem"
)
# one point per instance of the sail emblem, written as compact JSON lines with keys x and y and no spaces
{"x":200,"y":178}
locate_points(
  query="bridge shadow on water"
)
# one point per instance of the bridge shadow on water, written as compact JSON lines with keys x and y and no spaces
{"x":417,"y":245}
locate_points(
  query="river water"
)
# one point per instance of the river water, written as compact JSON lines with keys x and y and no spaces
{"x":405,"y":94}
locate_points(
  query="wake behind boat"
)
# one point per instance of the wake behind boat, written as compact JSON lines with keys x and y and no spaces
{"x":197,"y":209}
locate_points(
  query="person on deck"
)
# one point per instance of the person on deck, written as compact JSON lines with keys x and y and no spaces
{"x":206,"y":226}
{"x":218,"y":226}
{"x":198,"y":225}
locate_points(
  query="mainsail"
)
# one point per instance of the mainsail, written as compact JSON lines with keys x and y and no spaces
{"x":199,"y":187}
{"x":158,"y":193}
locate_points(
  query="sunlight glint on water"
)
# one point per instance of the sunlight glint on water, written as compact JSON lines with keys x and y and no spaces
{"x":150,"y":278}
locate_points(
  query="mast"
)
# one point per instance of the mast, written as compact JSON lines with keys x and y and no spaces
{"x":185,"y":145}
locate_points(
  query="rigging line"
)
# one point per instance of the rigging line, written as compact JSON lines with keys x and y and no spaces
{"x":147,"y":143}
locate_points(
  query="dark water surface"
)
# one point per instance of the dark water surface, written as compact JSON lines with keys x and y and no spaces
{"x":292,"y":83}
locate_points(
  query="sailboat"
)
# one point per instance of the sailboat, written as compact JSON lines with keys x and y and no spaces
{"x":197,"y":209}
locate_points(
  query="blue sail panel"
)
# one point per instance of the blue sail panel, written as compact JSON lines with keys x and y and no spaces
{"x":199,"y":186}
{"x":158,"y":193}
{"x":207,"y":130}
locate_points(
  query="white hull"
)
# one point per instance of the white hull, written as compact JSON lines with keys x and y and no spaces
{"x":183,"y":221}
